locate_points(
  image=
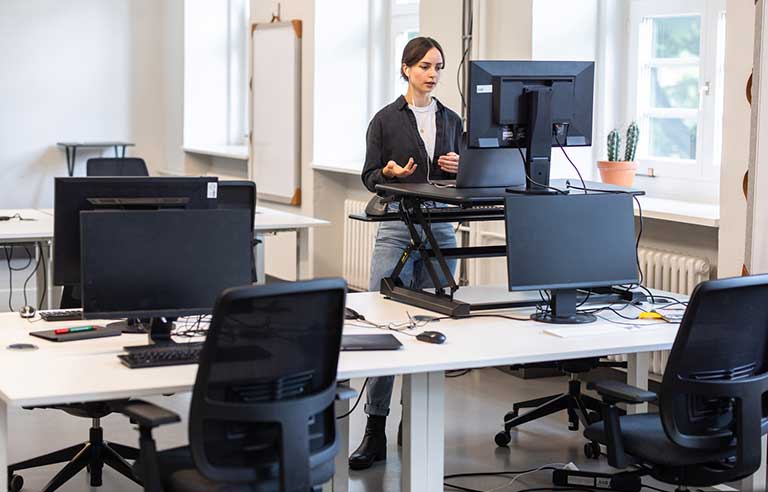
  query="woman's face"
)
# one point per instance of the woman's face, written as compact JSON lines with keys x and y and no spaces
{"x":425,"y":75}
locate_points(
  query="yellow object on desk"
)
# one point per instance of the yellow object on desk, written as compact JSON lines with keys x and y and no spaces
{"x":650,"y":315}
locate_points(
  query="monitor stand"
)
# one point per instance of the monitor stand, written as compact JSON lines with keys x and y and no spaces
{"x":563,"y":310}
{"x":131,"y":325}
{"x":160,"y":331}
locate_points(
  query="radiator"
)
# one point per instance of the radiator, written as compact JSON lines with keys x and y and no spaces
{"x":358,"y":246}
{"x":672,"y":272}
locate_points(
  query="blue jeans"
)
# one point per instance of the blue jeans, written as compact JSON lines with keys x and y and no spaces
{"x":391,"y":239}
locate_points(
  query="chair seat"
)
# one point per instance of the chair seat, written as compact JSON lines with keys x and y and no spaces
{"x":178,"y":474}
{"x":644,"y":437}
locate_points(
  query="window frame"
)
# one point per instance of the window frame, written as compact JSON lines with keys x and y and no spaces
{"x":708,"y":115}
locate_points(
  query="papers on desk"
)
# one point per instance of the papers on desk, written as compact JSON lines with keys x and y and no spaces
{"x":591,"y":330}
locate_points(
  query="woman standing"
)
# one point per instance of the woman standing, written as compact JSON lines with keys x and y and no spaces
{"x":413,"y":140}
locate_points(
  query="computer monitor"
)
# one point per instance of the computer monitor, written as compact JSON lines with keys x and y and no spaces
{"x":562,"y":243}
{"x":161,"y":264}
{"x":530,"y":105}
{"x":73,"y":195}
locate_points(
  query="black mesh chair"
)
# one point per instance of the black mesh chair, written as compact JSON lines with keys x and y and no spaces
{"x":116,"y":166}
{"x":262,"y":413}
{"x":240,"y":194}
{"x":712,"y":404}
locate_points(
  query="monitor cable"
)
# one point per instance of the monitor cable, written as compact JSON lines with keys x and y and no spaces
{"x":583,"y":183}
{"x":359,"y":396}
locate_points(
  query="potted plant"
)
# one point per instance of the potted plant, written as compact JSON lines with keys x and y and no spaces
{"x":615,"y":171}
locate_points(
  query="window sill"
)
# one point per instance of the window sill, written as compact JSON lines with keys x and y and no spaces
{"x":352,"y":167}
{"x":703,"y":214}
{"x":239,"y":152}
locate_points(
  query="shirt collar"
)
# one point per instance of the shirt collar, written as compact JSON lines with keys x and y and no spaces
{"x":402,"y":103}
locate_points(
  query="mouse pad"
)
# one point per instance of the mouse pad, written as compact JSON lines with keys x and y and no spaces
{"x":369,"y":342}
{"x":99,"y":332}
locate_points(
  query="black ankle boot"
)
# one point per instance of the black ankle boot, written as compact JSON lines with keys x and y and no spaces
{"x":373,"y":447}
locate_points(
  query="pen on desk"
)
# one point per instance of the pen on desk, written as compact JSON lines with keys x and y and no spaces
{"x":61,"y":331}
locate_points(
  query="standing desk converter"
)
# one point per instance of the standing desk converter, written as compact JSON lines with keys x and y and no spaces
{"x":416,"y":202}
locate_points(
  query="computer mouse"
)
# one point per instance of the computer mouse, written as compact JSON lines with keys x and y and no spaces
{"x":27,"y":312}
{"x":350,"y":313}
{"x":431,"y":337}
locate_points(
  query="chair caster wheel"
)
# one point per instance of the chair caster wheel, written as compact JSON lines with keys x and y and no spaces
{"x":510,"y":415}
{"x":502,"y":439}
{"x":592,"y":450}
{"x":15,"y":483}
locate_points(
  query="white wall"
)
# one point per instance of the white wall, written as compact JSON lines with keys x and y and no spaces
{"x":75,"y":70}
{"x":739,"y":39}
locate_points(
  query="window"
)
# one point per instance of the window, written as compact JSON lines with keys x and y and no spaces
{"x":675,"y":79}
{"x":404,"y":26}
{"x":215,"y":73}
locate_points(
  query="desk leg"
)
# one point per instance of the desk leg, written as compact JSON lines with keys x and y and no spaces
{"x":3,"y":446}
{"x":638,"y":366}
{"x":340,"y":481}
{"x":757,"y":482}
{"x":43,"y":276}
{"x":258,"y":250}
{"x":423,"y":432}
{"x":70,"y":159}
{"x":302,"y":254}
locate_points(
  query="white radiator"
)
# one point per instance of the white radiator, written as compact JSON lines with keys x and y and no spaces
{"x":672,"y":272}
{"x":358,"y":246}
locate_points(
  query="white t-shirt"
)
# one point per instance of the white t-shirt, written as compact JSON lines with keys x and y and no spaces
{"x":425,"y":121}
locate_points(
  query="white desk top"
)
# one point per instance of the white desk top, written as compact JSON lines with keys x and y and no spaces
{"x":19,"y":231}
{"x":268,"y":219}
{"x":88,"y":370}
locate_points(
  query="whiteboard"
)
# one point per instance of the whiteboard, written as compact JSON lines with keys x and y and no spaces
{"x":275,"y":110}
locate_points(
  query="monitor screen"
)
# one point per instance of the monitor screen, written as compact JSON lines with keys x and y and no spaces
{"x":73,"y":195}
{"x":570,"y":241}
{"x":163,"y":263}
{"x":498,"y":111}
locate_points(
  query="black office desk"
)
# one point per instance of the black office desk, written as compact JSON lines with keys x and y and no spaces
{"x":71,"y":149}
{"x":468,"y":204}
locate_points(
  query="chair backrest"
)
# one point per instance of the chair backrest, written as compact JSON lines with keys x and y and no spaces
{"x":262,"y":406}
{"x":116,"y":166}
{"x":714,"y":383}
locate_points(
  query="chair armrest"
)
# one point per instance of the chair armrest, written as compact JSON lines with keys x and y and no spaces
{"x":146,"y":414}
{"x":616,"y":391}
{"x":345,"y":393}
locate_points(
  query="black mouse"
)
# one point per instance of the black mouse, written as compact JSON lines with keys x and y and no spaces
{"x":431,"y":337}
{"x":27,"y":312}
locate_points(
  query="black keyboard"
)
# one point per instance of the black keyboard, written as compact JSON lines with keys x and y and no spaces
{"x":61,"y":314}
{"x":161,"y":355}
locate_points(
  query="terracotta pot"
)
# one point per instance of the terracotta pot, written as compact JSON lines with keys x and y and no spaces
{"x":620,"y":173}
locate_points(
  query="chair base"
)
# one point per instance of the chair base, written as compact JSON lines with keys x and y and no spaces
{"x":581,"y":409}
{"x":92,"y":455}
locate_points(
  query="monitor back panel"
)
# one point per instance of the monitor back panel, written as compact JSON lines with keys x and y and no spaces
{"x":570,"y":241}
{"x":161,"y":263}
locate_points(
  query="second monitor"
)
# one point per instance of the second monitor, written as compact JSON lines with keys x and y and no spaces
{"x":562,"y":243}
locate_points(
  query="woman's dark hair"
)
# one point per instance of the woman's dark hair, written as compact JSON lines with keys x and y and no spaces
{"x":415,"y":50}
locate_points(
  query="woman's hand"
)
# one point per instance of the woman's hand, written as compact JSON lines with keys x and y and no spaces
{"x":393,"y":170}
{"x":449,"y":162}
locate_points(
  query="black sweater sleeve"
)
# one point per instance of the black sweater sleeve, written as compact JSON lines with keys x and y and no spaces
{"x":374,"y":165}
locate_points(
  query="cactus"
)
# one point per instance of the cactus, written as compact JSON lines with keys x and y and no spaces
{"x":633,"y":133}
{"x":614,"y":142}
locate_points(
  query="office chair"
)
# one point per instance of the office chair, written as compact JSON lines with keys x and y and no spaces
{"x":116,"y":166}
{"x":93,"y":454}
{"x":262,"y":413}
{"x":240,"y":194}
{"x":581,"y":408}
{"x":712,"y":404}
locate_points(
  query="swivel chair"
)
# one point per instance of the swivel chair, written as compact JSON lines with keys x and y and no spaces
{"x":581,"y":408}
{"x":262,"y":413}
{"x":240,"y":194}
{"x":712,"y":404}
{"x":116,"y":166}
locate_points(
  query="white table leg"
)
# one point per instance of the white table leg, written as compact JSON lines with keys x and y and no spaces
{"x":303,"y":271}
{"x":258,"y":251}
{"x":3,"y":446}
{"x":638,"y":366}
{"x":340,"y":481}
{"x":757,"y":482}
{"x":423,"y":432}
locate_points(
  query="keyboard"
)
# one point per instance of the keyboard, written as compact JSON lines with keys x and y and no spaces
{"x":61,"y":314}
{"x":161,"y":355}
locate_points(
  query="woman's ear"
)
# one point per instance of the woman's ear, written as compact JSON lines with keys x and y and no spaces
{"x":406,"y":70}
